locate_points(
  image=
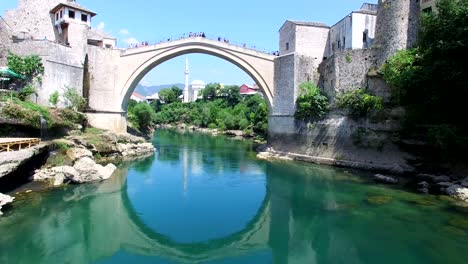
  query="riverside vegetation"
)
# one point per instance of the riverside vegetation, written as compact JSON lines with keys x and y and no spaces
{"x":221,"y":108}
{"x":431,"y":82}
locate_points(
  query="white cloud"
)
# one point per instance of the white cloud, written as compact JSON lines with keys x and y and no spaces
{"x":101,"y":26}
{"x":130,"y":41}
{"x":124,"y":31}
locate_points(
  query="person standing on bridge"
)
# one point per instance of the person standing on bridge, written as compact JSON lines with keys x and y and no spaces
{"x":203,"y":35}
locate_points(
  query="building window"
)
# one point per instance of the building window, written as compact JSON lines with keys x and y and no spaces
{"x":71,"y":14}
{"x":364,"y":36}
{"x":61,"y":13}
{"x":339,"y":44}
{"x":84,"y":18}
{"x":56,"y":16}
{"x":287,"y":45}
{"x":344,"y":42}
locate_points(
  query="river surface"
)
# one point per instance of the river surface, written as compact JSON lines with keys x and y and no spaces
{"x":204,"y":199}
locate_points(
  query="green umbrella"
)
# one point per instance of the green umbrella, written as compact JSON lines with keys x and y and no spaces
{"x":5,"y":72}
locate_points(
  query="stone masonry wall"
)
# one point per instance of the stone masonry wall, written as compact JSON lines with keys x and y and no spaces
{"x":5,"y":40}
{"x":102,"y":68}
{"x":63,"y":67}
{"x":33,"y":17}
{"x":352,"y":69}
{"x":397,"y":27}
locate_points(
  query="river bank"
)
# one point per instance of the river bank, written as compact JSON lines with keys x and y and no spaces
{"x":454,"y":186}
{"x":237,"y":134}
{"x":80,"y":157}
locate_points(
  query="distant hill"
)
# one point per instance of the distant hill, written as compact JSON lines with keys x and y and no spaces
{"x":150,"y":90}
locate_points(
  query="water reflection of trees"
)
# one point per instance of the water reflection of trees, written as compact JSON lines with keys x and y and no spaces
{"x":214,"y":153}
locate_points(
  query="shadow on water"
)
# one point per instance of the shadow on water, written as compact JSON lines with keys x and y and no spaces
{"x":309,"y":214}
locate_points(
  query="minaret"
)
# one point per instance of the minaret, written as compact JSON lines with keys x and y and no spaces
{"x":186,"y":89}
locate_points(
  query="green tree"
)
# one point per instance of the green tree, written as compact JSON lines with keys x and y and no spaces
{"x":142,"y":115}
{"x":311,"y":103}
{"x":168,"y":96}
{"x":231,"y":94}
{"x":73,"y":99}
{"x":358,"y":102}
{"x":29,"y":66}
{"x":210,"y":91}
{"x":177,"y":91}
{"x":54,"y":99}
{"x":431,"y":82}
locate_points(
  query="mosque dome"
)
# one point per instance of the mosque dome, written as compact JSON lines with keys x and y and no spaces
{"x":198,"y":83}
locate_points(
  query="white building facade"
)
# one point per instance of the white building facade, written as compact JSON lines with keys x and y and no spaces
{"x":355,"y":31}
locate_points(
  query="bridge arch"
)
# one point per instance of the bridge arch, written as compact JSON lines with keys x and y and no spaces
{"x":138,"y":62}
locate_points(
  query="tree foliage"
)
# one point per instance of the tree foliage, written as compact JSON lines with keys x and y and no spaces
{"x":210,"y":91}
{"x":358,"y":102}
{"x":141,"y":115}
{"x":431,"y":81}
{"x":311,"y":103}
{"x":54,"y":99}
{"x":28,"y":66}
{"x":73,"y":99}
{"x":169,"y":96}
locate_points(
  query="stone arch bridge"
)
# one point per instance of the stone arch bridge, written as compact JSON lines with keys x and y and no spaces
{"x":114,"y":74}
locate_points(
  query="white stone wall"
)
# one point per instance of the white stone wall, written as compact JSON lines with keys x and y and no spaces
{"x":348,"y":33}
{"x":311,"y":42}
{"x":363,"y":23}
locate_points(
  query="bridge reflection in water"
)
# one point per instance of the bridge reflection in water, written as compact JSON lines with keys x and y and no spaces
{"x":92,"y":223}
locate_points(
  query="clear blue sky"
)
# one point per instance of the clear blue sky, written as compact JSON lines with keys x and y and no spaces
{"x":254,"y":22}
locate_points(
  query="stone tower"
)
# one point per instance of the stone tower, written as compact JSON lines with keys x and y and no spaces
{"x":397,"y":27}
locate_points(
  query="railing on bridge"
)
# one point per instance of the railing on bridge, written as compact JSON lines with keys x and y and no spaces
{"x":207,"y":36}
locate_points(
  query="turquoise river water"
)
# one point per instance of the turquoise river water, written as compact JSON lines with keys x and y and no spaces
{"x":204,"y":199}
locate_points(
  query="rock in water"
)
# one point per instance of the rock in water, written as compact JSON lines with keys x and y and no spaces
{"x":107,"y":171}
{"x":385,"y":179}
{"x":89,"y":171}
{"x":458,"y":192}
{"x":5,"y":199}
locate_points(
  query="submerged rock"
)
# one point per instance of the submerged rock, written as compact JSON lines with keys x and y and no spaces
{"x":458,"y":192}
{"x":379,"y":199}
{"x":385,"y":179}
{"x":4,"y":200}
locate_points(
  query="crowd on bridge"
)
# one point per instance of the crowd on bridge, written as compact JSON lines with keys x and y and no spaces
{"x":202,"y":35}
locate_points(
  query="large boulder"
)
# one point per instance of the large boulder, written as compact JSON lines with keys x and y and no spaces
{"x":458,"y":192}
{"x":107,"y":171}
{"x":89,"y":171}
{"x":63,"y":173}
{"x":5,"y":199}
{"x":78,"y":153}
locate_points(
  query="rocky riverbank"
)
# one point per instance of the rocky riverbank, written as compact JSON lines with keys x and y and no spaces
{"x":74,"y":159}
{"x":77,"y":157}
{"x":453,"y":186}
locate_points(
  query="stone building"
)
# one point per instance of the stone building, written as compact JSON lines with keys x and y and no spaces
{"x":60,"y":32}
